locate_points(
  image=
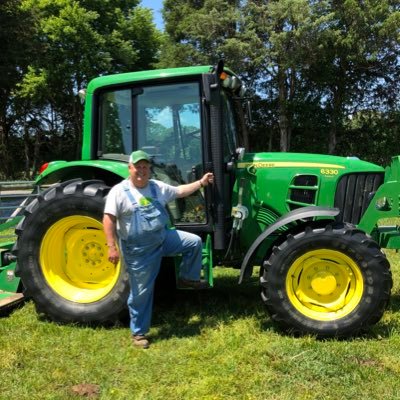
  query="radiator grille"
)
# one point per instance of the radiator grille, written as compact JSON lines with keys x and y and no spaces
{"x":354,"y":193}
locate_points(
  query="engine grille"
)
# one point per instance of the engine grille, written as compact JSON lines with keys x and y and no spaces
{"x":354,"y":193}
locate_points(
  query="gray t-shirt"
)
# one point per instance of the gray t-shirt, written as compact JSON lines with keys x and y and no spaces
{"x":119,"y":205}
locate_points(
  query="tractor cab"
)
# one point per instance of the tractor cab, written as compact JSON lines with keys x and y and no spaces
{"x":188,"y":124}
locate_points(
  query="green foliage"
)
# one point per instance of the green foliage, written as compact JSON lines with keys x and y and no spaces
{"x":311,"y":63}
{"x":311,"y":66}
{"x":15,"y":50}
{"x":372,"y":135}
{"x":70,"y":42}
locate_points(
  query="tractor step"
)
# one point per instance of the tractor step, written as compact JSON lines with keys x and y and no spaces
{"x":9,"y":299}
{"x":207,"y":263}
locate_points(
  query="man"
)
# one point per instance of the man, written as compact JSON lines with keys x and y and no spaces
{"x":135,"y":224}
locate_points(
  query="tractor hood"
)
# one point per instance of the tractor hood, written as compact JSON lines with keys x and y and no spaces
{"x":275,"y":184}
{"x":317,"y":163}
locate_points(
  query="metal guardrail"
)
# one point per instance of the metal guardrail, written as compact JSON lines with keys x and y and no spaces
{"x":14,"y":197}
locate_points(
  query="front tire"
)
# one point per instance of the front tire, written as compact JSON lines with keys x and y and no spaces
{"x":330,"y":281}
{"x":63,"y":257}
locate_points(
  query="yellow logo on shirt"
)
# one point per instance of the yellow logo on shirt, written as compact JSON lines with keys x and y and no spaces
{"x":144,"y":201}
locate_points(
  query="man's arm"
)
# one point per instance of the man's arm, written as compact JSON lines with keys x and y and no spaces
{"x":189,"y":188}
{"x":109,"y":224}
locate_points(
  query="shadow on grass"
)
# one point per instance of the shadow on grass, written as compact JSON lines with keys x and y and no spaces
{"x":183,"y":313}
{"x":390,"y":322}
{"x":394,"y":303}
{"x":186,"y":313}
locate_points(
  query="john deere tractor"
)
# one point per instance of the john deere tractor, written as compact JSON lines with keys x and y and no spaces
{"x":309,"y":221}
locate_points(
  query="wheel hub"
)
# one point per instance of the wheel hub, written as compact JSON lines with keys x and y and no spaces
{"x":323,"y":283}
{"x":92,"y":253}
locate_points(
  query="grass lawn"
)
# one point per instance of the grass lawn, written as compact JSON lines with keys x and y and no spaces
{"x":217,"y":344}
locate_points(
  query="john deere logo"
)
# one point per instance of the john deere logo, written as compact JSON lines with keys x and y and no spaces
{"x":288,"y":164}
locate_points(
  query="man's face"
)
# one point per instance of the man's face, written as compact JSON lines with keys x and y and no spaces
{"x":140,"y":173}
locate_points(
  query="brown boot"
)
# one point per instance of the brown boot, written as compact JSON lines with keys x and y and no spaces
{"x":140,"y":341}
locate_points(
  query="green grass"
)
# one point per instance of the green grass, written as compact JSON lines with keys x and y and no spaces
{"x":7,"y":235}
{"x":218,"y":344}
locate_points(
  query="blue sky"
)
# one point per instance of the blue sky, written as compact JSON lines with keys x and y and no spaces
{"x":156,"y":6}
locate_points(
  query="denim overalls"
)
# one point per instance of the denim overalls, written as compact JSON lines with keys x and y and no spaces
{"x":148,"y":241}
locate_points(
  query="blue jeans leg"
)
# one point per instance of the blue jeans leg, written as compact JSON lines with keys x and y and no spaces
{"x":190,"y":247}
{"x":142,"y":275}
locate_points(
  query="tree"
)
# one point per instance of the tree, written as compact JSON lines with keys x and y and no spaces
{"x":266,"y":42}
{"x":77,"y":41}
{"x":357,"y":50}
{"x":200,"y":32}
{"x":301,"y":57}
{"x":15,"y":49}
{"x":285,"y":30}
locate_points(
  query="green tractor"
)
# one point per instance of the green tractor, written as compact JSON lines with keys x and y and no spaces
{"x":309,"y":221}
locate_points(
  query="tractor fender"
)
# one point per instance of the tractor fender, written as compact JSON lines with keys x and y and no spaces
{"x":299,"y":213}
{"x":110,"y":171}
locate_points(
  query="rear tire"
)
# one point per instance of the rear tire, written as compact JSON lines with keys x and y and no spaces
{"x":330,"y":282}
{"x":63,"y":257}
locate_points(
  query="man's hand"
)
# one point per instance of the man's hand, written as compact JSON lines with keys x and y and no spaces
{"x":189,"y":188}
{"x":207,"y":179}
{"x":113,"y":254}
{"x":109,"y":224}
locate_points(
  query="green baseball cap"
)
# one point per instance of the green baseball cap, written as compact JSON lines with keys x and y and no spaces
{"x":138,"y":155}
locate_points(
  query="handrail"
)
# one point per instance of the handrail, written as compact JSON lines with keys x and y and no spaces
{"x":14,"y":197}
{"x":16,"y":185}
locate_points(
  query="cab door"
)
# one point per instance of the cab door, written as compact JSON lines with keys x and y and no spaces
{"x":169,"y":126}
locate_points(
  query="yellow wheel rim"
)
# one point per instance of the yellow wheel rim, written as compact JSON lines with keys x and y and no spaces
{"x":74,"y":260}
{"x":324,"y":285}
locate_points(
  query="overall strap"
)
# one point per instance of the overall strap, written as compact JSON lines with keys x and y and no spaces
{"x":127,"y":191}
{"x":153,"y":190}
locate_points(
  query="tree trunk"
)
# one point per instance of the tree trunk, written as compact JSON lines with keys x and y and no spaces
{"x":5,"y":170}
{"x":78,"y":123}
{"x":26,"y":149}
{"x":337,"y":103}
{"x":284,"y":121}
{"x":332,"y":136}
{"x":36,"y":152}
